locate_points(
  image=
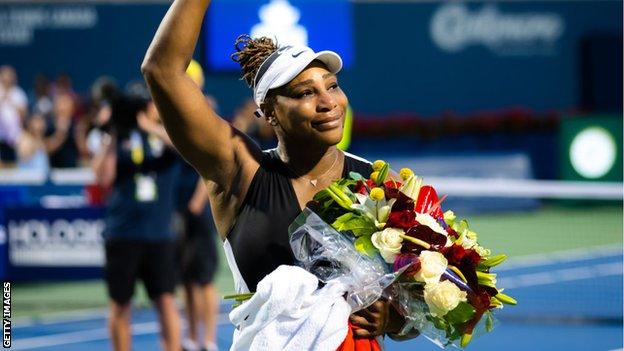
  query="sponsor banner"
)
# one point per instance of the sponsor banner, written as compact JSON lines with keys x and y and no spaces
{"x":20,"y":23}
{"x":39,"y":237}
{"x":319,"y":24}
{"x":455,"y":27}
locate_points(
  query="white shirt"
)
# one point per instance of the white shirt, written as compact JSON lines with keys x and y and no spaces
{"x":11,"y":102}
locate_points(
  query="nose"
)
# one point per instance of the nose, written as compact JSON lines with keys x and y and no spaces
{"x":326,"y":101}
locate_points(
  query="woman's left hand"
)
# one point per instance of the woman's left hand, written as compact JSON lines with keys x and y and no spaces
{"x":371,"y":321}
{"x":377,"y":319}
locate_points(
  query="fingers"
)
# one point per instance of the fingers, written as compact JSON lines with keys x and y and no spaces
{"x":371,"y":321}
{"x":362,"y":328}
{"x":366,"y":325}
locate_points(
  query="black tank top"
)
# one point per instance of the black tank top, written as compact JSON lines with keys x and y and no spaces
{"x":259,"y":237}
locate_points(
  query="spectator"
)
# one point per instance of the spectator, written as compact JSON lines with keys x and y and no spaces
{"x":139,"y":241}
{"x":103,"y":93}
{"x":42,"y":103}
{"x":13,"y":109}
{"x":31,"y":146}
{"x":62,"y":147}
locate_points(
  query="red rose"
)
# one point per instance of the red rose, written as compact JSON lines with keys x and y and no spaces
{"x":403,"y":220}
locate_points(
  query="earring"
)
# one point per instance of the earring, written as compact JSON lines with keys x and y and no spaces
{"x":272,"y":121}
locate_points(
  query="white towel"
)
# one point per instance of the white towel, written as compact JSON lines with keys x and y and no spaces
{"x":288,"y":312}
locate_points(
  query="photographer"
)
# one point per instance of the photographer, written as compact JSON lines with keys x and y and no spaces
{"x":140,"y":170}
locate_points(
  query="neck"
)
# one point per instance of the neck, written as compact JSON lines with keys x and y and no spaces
{"x":310,"y":162}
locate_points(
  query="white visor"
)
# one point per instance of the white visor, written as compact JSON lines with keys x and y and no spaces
{"x":285,"y":64}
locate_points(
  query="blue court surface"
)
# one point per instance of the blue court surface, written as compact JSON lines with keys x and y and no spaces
{"x":570,"y":301}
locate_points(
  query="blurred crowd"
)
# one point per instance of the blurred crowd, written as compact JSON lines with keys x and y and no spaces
{"x":54,"y":126}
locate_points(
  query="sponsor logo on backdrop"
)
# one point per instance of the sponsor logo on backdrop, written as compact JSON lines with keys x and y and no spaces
{"x":454,"y":27}
{"x":56,"y":242}
{"x":279,"y":19}
{"x":18,"y":24}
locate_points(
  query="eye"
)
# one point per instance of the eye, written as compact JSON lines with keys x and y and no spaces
{"x":333,"y":86}
{"x":304,"y":94}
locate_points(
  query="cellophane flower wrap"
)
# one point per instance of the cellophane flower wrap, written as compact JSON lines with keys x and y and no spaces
{"x":390,"y":237}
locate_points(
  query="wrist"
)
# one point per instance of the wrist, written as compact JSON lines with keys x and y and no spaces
{"x":395,"y":321}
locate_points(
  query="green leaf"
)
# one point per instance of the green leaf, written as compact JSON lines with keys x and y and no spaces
{"x":356,"y":176}
{"x":340,"y":221}
{"x":460,"y":314}
{"x":438,"y":322}
{"x":506,"y":299}
{"x":322,"y":195}
{"x":491,"y":261}
{"x":489,"y":321}
{"x":356,"y":223}
{"x":364,"y":245}
{"x":383,"y":173}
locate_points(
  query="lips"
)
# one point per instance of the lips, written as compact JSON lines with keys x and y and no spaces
{"x":327,"y":123}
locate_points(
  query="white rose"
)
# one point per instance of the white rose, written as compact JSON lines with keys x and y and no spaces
{"x":443,"y":297}
{"x":432,"y":265}
{"x":388,"y":242}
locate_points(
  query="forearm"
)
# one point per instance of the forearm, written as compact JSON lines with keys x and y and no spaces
{"x":172,"y":47}
{"x":159,"y":131}
{"x":103,"y":163}
{"x":54,"y":142}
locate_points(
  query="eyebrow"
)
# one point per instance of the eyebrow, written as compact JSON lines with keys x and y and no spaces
{"x":308,"y":81}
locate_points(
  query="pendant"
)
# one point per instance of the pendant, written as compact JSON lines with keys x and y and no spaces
{"x":313,"y":182}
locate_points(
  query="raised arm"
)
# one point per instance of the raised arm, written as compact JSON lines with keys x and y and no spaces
{"x":208,"y":142}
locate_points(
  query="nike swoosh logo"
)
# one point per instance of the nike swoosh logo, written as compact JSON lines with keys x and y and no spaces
{"x":297,"y":54}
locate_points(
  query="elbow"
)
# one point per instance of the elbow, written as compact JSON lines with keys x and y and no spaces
{"x":150,"y":69}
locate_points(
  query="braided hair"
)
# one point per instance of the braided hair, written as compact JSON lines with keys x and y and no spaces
{"x":250,"y":54}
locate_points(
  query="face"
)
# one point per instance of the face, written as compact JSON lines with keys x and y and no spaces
{"x":64,"y":106}
{"x":311,"y":108}
{"x":36,"y":125}
{"x":8,"y":77}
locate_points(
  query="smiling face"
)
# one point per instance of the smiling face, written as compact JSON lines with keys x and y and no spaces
{"x":311,"y":108}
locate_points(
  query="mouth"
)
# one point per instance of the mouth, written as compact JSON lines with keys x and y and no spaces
{"x":328,"y":123}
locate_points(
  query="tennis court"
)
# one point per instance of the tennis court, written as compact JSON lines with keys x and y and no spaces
{"x":565,"y":269}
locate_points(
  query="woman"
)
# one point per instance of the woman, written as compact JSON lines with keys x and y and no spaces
{"x":255,"y":195}
{"x":31,"y":146}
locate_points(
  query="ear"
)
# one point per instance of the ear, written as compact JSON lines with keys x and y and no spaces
{"x":267,"y":108}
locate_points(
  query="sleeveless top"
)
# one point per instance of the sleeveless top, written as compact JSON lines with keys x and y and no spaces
{"x":258,"y":242}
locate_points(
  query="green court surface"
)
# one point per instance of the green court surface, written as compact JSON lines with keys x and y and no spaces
{"x":546,"y":230}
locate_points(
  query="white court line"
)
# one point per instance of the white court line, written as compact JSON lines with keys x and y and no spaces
{"x":564,"y":256}
{"x":61,"y":317}
{"x":75,"y":316}
{"x":145,"y":328}
{"x":76,"y":337}
{"x":561,"y":275}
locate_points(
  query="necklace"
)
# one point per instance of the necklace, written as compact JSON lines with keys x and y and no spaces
{"x":314,"y":181}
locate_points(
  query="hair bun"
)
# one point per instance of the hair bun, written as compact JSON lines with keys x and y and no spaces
{"x":250,"y":53}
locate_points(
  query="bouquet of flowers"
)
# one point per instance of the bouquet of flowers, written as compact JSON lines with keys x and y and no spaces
{"x":389,"y":237}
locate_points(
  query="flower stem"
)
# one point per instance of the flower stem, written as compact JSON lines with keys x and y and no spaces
{"x":415,"y":241}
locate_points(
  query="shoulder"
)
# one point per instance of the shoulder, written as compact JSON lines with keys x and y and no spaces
{"x":18,"y":95}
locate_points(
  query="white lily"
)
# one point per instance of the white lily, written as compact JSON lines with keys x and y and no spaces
{"x":411,"y":186}
{"x":378,"y":211}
